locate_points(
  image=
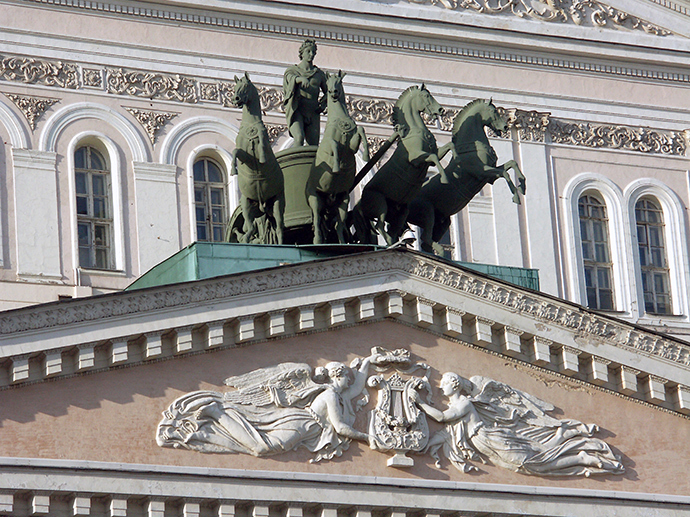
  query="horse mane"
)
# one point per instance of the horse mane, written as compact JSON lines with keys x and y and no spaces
{"x":398,"y":115}
{"x":464,"y":112}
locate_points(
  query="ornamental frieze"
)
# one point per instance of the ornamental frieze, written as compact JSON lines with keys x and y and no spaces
{"x":39,"y":71}
{"x":525,"y":125}
{"x":171,"y":87}
{"x":577,"y":12}
{"x":642,"y":140}
{"x":288,"y":406}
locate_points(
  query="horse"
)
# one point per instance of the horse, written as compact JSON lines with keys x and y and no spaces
{"x":333,"y":172}
{"x":384,"y":203}
{"x":260,"y":177}
{"x":474,"y":164}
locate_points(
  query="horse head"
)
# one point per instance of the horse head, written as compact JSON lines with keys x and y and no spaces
{"x":492,"y":118}
{"x":425,"y":102}
{"x":334,"y":83}
{"x":245,"y":91}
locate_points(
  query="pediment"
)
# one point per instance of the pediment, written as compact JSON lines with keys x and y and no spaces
{"x":115,"y":363}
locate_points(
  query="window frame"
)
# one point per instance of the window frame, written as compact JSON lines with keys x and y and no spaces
{"x":592,"y":262}
{"x":207,"y":200}
{"x":109,"y":151}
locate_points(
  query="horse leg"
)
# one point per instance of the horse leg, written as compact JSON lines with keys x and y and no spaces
{"x":362,"y":139}
{"x":375,"y":208}
{"x":441,"y":226}
{"x":316,"y":205}
{"x":340,"y":218}
{"x":398,"y":221}
{"x":519,"y":176}
{"x":249,"y":215}
{"x":334,"y":153}
{"x":433,"y":159}
{"x":278,"y":212}
{"x":421,"y":213}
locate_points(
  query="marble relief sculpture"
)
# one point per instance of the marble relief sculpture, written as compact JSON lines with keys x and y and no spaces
{"x":474,"y":164}
{"x":260,"y":176}
{"x":274,"y":410}
{"x":302,"y":86}
{"x":488,"y":421}
{"x":281,"y":408}
{"x":333,"y":173}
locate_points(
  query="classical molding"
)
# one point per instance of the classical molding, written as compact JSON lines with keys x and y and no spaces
{"x":590,"y":13}
{"x":152,"y":121}
{"x":629,"y":138}
{"x":525,"y":125}
{"x":358,"y":38}
{"x":538,"y":307}
{"x":14,"y":126}
{"x":32,"y":107}
{"x":39,"y":71}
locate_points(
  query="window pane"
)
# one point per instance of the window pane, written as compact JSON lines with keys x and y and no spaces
{"x":602,"y":255}
{"x":99,"y":208}
{"x":201,"y":232}
{"x":587,"y":251}
{"x":100,"y":235}
{"x":98,"y":185}
{"x":603,"y":278}
{"x":85,"y":257}
{"x":217,"y":233}
{"x":216,"y":196}
{"x":583,"y":230}
{"x":82,"y":206}
{"x":80,"y":158}
{"x":214,"y":174}
{"x":84,"y":234}
{"x":655,"y":236}
{"x":199,"y":171}
{"x":606,"y":300}
{"x":592,"y":297}
{"x":198,"y":195}
{"x":101,"y":258}
{"x":80,"y":182}
{"x":200,"y":214}
{"x":97,"y":162}
{"x":589,"y":277}
{"x":217,"y":215}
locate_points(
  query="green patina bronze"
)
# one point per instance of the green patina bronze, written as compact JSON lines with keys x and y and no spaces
{"x":260,"y":176}
{"x":474,"y":164}
{"x":385,"y":199}
{"x":302,"y":86}
{"x":333,"y":172}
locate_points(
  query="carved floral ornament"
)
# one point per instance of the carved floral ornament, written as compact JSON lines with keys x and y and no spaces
{"x":32,"y":107}
{"x":274,"y":410}
{"x":152,"y":121}
{"x":524,"y":125}
{"x":577,"y":12}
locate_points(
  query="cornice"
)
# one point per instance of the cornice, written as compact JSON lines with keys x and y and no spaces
{"x":244,"y":20}
{"x":540,"y":307}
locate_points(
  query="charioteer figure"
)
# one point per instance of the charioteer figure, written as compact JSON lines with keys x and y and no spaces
{"x":302,"y":85}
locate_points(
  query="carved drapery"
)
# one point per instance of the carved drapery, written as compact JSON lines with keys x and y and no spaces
{"x":152,"y":121}
{"x":576,"y":12}
{"x":32,"y":107}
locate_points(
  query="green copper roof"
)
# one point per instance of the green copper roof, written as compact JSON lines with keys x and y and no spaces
{"x":202,"y":260}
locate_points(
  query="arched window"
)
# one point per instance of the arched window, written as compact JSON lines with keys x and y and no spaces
{"x":209,"y":201}
{"x":94,"y":209}
{"x":596,"y":253}
{"x":653,"y":261}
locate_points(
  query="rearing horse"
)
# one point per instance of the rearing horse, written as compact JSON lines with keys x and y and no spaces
{"x":386,"y":197}
{"x":260,"y":177}
{"x":333,"y":172}
{"x":474,"y":164}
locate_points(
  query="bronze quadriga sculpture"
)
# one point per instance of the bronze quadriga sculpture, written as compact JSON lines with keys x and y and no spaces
{"x":385,"y":199}
{"x":260,"y":176}
{"x":474,"y":164}
{"x":333,"y":173}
